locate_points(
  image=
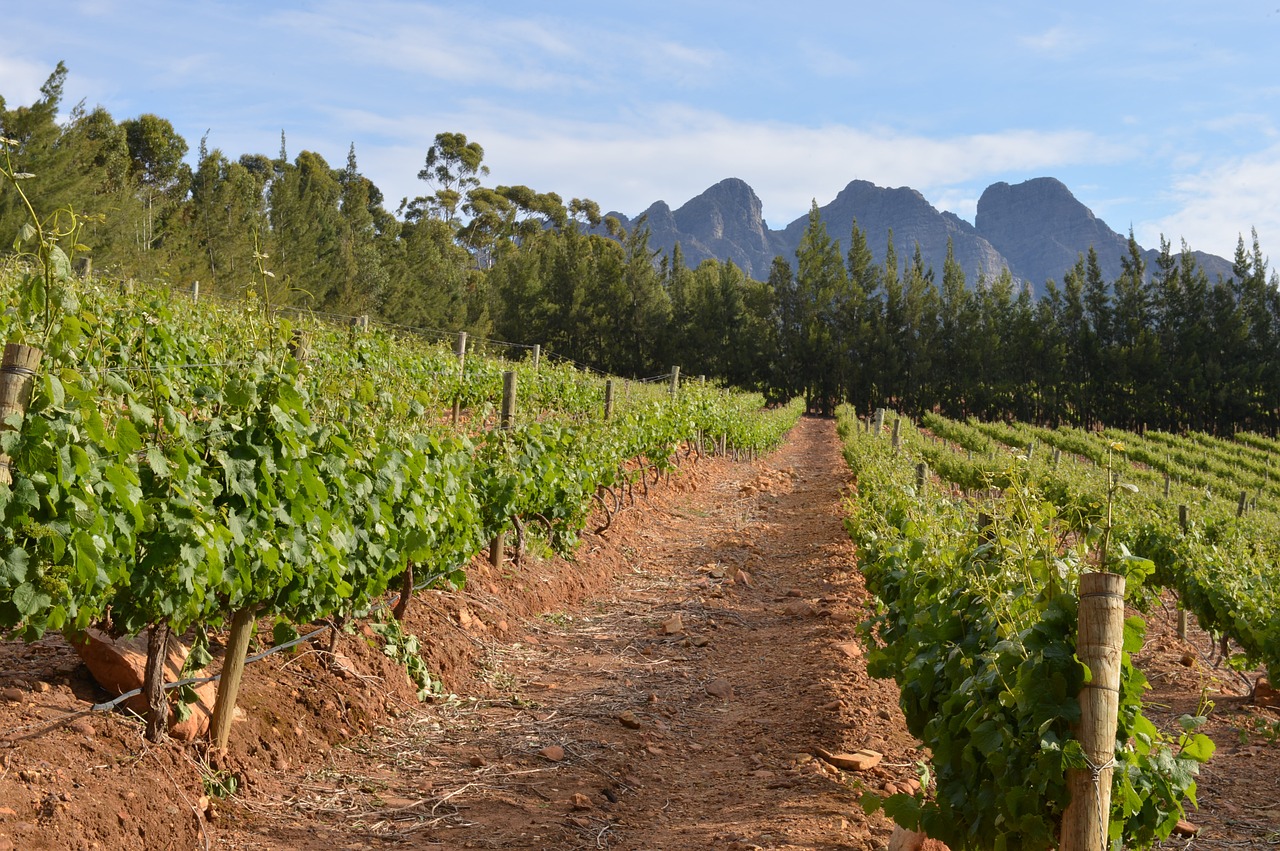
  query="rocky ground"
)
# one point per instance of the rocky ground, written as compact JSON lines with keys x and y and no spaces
{"x":687,"y":682}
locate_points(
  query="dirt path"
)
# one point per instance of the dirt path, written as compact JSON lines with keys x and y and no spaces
{"x":677,"y":711}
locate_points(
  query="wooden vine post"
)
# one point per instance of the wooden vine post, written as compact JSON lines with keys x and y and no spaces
{"x":675,"y":380}
{"x":1182,"y":613}
{"x":17,"y":376}
{"x":460,"y":351}
{"x":608,"y":399}
{"x":1099,"y":645}
{"x":497,"y":547}
{"x":224,"y":706}
{"x":897,"y":433}
{"x":537,"y":355}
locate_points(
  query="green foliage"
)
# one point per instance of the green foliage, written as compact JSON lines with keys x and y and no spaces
{"x":404,"y":649}
{"x":977,"y":625}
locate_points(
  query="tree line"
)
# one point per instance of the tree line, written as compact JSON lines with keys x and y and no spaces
{"x":1160,"y":347}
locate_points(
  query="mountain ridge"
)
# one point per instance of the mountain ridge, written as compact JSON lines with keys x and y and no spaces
{"x":1036,"y":229}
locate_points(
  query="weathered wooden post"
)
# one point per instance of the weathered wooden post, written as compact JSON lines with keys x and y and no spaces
{"x":460,"y":350}
{"x":537,"y":355}
{"x":1166,"y":485}
{"x":897,"y":432}
{"x":508,"y":400}
{"x":224,"y":706}
{"x":879,"y":424}
{"x":497,"y":546}
{"x":1099,"y":645}
{"x":1244,"y":503}
{"x":1182,"y":613}
{"x":675,"y":380}
{"x":608,"y":398}
{"x":17,"y":377}
{"x":922,"y":474}
{"x":195,"y":292}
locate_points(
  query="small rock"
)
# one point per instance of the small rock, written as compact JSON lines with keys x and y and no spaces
{"x":279,"y":761}
{"x":581,"y":802}
{"x":850,"y":648}
{"x":1187,"y":660}
{"x":8,"y":813}
{"x":1186,"y":828}
{"x":477,"y":761}
{"x":673,"y":624}
{"x":699,"y":641}
{"x":720,"y":688}
{"x":83,"y":726}
{"x":830,"y":706}
{"x":629,"y":720}
{"x":1264,"y":694}
{"x":911,"y":840}
{"x":742,"y":578}
{"x":798,"y":609}
{"x":579,"y":821}
{"x":859,"y":760}
{"x":794,"y":592}
{"x":42,"y":687}
{"x":555,"y":753}
{"x":11,"y":695}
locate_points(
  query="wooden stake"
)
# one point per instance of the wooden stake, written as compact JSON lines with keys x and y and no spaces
{"x":675,"y":380}
{"x":17,"y":376}
{"x":537,"y":355}
{"x":1182,"y":613}
{"x":1099,"y":645}
{"x":508,"y":400}
{"x":897,"y":432}
{"x":224,"y":707}
{"x":608,"y":398}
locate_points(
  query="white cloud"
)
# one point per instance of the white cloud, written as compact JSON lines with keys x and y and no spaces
{"x":22,"y":79}
{"x":536,"y":52}
{"x":673,"y":153}
{"x":1222,"y":202}
{"x":1056,"y":41}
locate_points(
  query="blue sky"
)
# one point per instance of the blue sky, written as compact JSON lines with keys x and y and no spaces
{"x":1160,"y":116}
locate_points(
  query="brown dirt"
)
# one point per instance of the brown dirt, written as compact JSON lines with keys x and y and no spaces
{"x":665,"y":690}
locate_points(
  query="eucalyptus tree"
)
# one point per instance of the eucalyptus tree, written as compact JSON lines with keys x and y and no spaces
{"x":453,"y":166}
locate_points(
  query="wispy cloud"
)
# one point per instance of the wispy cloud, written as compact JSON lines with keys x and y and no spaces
{"x":22,"y":79}
{"x":673,"y":153}
{"x":1222,"y":202}
{"x":1056,"y":41}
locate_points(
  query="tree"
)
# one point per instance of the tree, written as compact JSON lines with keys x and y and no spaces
{"x":156,"y":151}
{"x":452,"y":166}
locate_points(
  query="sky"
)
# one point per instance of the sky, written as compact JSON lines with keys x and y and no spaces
{"x":1161,"y":117}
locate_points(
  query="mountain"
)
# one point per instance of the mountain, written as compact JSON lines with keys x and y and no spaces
{"x":1035,"y":229}
{"x":1041,"y":228}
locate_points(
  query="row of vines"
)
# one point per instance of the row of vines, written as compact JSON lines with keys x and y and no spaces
{"x":977,"y":584}
{"x":183,"y":467}
{"x":1201,"y":508}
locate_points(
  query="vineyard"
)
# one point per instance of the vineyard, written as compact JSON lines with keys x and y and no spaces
{"x":234,"y":475}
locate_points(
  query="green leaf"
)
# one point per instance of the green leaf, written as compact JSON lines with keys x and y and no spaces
{"x":157,"y":462}
{"x":128,"y":439}
{"x":13,"y":570}
{"x":1200,"y":748}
